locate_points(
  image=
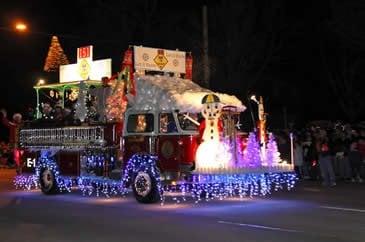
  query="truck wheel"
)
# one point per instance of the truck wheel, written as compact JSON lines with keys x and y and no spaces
{"x":145,"y":188}
{"x":48,"y":182}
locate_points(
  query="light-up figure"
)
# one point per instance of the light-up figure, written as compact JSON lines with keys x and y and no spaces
{"x":211,"y":127}
{"x":262,"y":130}
{"x":212,"y":153}
{"x":141,"y":123}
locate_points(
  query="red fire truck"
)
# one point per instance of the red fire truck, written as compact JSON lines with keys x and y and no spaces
{"x":149,"y":147}
{"x":155,"y":144}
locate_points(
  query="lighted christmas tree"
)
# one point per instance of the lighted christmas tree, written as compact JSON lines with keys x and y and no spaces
{"x":55,"y":56}
{"x":81,"y":109}
{"x":252,"y":153}
{"x":116,"y":102}
{"x":272,"y":153}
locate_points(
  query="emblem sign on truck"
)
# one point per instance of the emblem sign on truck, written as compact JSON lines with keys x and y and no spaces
{"x":160,"y":59}
{"x":153,"y":59}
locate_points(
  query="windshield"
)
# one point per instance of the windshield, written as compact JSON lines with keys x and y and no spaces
{"x":188,"y":121}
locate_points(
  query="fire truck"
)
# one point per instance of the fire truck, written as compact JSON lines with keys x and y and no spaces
{"x":149,"y":149}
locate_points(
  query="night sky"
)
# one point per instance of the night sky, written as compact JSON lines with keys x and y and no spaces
{"x":291,"y":49}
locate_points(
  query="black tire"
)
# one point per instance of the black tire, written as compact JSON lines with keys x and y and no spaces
{"x":47,"y":180}
{"x":145,"y":188}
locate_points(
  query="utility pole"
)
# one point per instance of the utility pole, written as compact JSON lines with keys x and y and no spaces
{"x":205,"y":47}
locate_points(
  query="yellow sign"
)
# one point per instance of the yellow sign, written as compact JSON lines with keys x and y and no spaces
{"x":152,"y":59}
{"x":160,"y":60}
{"x":84,"y":69}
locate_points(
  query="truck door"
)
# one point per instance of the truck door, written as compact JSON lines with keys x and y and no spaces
{"x":168,"y":150}
{"x":140,"y":137}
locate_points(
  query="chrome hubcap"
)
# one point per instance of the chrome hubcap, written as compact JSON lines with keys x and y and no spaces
{"x":142,"y":183}
{"x":47,"y":178}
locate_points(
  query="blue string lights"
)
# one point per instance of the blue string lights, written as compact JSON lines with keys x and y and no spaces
{"x":26,"y":182}
{"x":209,"y":187}
{"x":63,"y":183}
{"x":97,"y":162}
{"x":199,"y":187}
{"x":142,"y":163}
{"x":90,"y":185}
{"x":45,"y":161}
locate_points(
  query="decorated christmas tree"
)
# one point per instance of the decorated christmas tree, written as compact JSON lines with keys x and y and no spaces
{"x":116,"y":102}
{"x":252,"y":153}
{"x":55,"y":56}
{"x":81,"y":109}
{"x":272,"y":153}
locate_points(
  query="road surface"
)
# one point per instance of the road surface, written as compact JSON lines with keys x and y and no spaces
{"x":308,"y":213}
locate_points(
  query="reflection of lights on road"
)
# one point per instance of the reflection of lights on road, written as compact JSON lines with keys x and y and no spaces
{"x":239,"y":199}
{"x":172,"y":206}
{"x":107,"y":200}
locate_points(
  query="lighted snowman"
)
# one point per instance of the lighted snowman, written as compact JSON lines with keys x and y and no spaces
{"x":211,"y":127}
{"x":212,"y":153}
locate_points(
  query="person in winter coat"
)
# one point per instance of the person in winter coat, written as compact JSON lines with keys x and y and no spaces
{"x":299,"y":159}
{"x":355,"y":159}
{"x":13,"y":127}
{"x":325,"y":162}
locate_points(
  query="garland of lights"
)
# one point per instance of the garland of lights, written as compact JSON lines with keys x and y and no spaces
{"x":26,"y":182}
{"x":209,"y":187}
{"x":29,"y":182}
{"x":90,"y":185}
{"x":97,"y":160}
{"x":201,"y":186}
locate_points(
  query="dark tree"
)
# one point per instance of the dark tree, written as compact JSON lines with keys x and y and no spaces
{"x":246,"y":38}
{"x":343,"y":55}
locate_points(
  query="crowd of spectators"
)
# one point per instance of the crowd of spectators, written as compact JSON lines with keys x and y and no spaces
{"x":328,"y":153}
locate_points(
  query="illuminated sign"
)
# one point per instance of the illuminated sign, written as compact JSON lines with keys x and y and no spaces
{"x":86,"y":68}
{"x":31,"y":162}
{"x":152,"y":59}
{"x":84,"y":60}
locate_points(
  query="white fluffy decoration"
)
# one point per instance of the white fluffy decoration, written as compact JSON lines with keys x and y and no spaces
{"x":171,"y":93}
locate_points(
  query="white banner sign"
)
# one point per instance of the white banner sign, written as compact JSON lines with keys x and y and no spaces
{"x":86,"y":68}
{"x":152,"y":59}
{"x":98,"y":69}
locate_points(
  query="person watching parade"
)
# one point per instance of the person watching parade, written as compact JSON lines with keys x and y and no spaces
{"x":13,"y":127}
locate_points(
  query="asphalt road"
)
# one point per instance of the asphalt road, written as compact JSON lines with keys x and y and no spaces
{"x":308,"y":213}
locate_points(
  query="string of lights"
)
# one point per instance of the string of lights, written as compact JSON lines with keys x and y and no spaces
{"x":199,"y":187}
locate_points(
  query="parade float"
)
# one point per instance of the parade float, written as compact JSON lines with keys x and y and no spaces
{"x":149,"y":130}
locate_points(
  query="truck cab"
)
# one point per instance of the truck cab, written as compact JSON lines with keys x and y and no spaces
{"x":166,"y":134}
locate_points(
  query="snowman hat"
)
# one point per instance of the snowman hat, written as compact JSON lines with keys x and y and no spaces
{"x":210,"y":98}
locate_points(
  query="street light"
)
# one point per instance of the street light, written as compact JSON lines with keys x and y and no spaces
{"x":17,"y":27}
{"x":41,"y":82}
{"x":21,"y":27}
